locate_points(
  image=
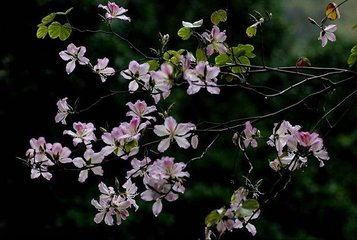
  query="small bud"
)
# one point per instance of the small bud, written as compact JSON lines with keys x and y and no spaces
{"x":235,"y":139}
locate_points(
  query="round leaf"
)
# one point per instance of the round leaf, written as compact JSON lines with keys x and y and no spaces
{"x":218,"y":16}
{"x":201,"y":54}
{"x":185,"y":33}
{"x":250,"y":204}
{"x":251,"y":31}
{"x":49,"y":18}
{"x":65,"y":31}
{"x":212,"y":218}
{"x":41,"y":31}
{"x":221,"y":59}
{"x":54,"y":30}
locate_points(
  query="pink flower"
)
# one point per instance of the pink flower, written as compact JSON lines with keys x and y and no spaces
{"x":114,"y":11}
{"x":163,"y":80}
{"x":102,"y":69}
{"x":73,"y":54}
{"x":63,"y":110}
{"x":90,"y":162}
{"x":203,"y":76}
{"x":141,"y":110}
{"x":216,"y":40}
{"x":84,"y":133}
{"x":327,"y":34}
{"x":249,"y":135}
{"x":178,"y":132}
{"x":138,"y":73}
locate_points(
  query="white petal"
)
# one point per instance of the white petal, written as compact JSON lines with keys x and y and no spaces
{"x":164,"y":145}
{"x":157,"y":207}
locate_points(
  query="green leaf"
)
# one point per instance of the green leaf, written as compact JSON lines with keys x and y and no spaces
{"x":218,"y":16}
{"x":213,"y":217}
{"x":54,"y":30}
{"x":154,"y":65}
{"x":251,"y":31}
{"x":201,"y":54}
{"x":185,"y":33}
{"x":352,"y":60}
{"x":41,"y":31}
{"x":244,"y":50}
{"x":355,"y":26}
{"x":250,"y":204}
{"x":49,"y":18}
{"x":243,"y":212}
{"x":130,"y":145}
{"x":241,"y":69}
{"x":65,"y":31}
{"x":221,"y":59}
{"x":354,"y":50}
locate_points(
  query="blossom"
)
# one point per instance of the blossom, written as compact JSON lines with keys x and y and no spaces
{"x":216,"y":39}
{"x":249,"y":135}
{"x":163,"y":80}
{"x":203,"y":76}
{"x":137,"y":73}
{"x":178,"y":132}
{"x":84,"y":133}
{"x":38,"y":159}
{"x":102,"y":69}
{"x":90,"y":162}
{"x":138,"y":167}
{"x":63,"y":110}
{"x":327,"y":34}
{"x":59,"y":153}
{"x":140,"y":109}
{"x":114,"y":11}
{"x":73,"y":54}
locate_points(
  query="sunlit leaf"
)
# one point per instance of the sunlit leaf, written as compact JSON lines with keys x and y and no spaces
{"x":251,"y":204}
{"x":213,"y":217}
{"x":218,"y":16}
{"x":54,"y":30}
{"x":49,"y":18}
{"x":65,"y":31}
{"x":185,"y":33}
{"x":221,"y":59}
{"x":352,"y":60}
{"x":332,"y":11}
{"x":201,"y":54}
{"x":154,"y":65}
{"x":251,"y":31}
{"x":41,"y":31}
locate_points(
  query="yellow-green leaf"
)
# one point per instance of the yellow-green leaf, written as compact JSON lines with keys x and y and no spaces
{"x":41,"y":31}
{"x":218,"y":16}
{"x":65,"y":31}
{"x":49,"y":18}
{"x":201,"y":54}
{"x":154,"y":65}
{"x":221,"y":59}
{"x":185,"y":33}
{"x":250,"y":204}
{"x":213,"y":217}
{"x":251,"y":31}
{"x":54,"y":30}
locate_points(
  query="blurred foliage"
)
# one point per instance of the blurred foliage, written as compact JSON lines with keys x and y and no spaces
{"x":320,"y":203}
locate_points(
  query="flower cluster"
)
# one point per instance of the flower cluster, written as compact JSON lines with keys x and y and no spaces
{"x":151,"y":130}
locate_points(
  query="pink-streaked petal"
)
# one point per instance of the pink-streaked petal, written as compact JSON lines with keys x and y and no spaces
{"x":98,"y":170}
{"x":170,"y":124}
{"x":163,"y":145}
{"x":133,"y":86}
{"x":251,"y":228}
{"x":79,"y":162}
{"x":99,"y":217}
{"x":108,"y":219}
{"x":194,"y":141}
{"x":330,"y":36}
{"x":160,"y":130}
{"x":70,"y":66}
{"x":182,"y":142}
{"x":65,"y":56}
{"x":147,"y":195}
{"x":83,"y":175}
{"x":157,"y":207}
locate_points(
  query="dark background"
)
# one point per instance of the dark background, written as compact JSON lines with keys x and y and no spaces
{"x":320,"y":203}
